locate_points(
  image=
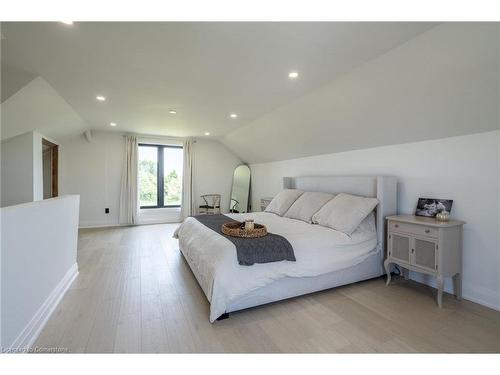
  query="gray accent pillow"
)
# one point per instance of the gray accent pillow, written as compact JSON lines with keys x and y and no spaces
{"x":345,"y":212}
{"x":307,"y":205}
{"x":282,"y":201}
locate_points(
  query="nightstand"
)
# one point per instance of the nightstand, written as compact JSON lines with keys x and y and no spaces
{"x":425,"y":245}
{"x":264,"y":202}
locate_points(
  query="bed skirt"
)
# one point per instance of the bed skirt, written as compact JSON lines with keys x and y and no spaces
{"x":289,"y":287}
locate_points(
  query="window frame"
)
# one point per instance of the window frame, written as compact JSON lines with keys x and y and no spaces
{"x":160,"y":188}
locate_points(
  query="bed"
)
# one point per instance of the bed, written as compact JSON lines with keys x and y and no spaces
{"x":325,"y":258}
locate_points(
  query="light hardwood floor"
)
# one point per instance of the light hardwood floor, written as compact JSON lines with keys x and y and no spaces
{"x":135,"y":293}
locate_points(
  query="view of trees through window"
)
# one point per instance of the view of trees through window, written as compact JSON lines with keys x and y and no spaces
{"x":172,"y":167}
{"x":160,"y":163}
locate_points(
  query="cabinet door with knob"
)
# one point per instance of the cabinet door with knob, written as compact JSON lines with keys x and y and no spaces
{"x":399,"y":247}
{"x":424,"y":253}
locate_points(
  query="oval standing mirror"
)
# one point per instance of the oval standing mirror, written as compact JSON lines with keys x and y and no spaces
{"x":241,"y":190}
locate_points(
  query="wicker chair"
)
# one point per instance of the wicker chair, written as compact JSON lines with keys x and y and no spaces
{"x":211,"y":206}
{"x":234,"y":206}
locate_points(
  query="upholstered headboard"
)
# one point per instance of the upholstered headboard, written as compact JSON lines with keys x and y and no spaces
{"x":384,"y":188}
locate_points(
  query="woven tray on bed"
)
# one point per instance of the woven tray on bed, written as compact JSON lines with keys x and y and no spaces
{"x":238,"y":230}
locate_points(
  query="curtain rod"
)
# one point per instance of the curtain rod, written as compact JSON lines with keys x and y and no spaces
{"x":162,"y":137}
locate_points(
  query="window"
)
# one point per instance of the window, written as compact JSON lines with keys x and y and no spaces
{"x":160,"y":176}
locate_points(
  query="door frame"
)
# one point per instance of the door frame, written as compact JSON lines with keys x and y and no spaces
{"x":54,"y":148}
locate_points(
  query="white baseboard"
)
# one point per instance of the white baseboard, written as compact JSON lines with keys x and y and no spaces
{"x":30,"y":333}
{"x":149,"y":222}
{"x":483,"y":296}
{"x":101,"y":225}
{"x":480,"y":295}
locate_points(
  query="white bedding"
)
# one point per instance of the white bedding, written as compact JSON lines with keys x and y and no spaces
{"x":318,"y":250}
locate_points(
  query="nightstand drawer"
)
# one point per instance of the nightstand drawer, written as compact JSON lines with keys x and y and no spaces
{"x":420,"y":230}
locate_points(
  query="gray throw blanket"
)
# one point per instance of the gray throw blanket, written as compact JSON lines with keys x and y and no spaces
{"x":270,"y":248}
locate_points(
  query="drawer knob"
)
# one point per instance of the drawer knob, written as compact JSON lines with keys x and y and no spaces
{"x":412,"y":251}
{"x":396,"y":226}
{"x":427,"y":231}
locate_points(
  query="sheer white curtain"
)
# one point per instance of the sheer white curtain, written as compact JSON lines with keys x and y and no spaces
{"x":129,"y":195}
{"x":188,"y":204}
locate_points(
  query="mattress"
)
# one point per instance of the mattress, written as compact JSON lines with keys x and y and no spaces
{"x":318,"y":251}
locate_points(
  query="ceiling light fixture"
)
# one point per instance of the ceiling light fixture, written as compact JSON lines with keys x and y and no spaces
{"x":293,"y":75}
{"x":207,"y":133}
{"x":112,"y":123}
{"x":172,"y":112}
{"x":101,"y":98}
{"x":67,"y":22}
{"x":233,"y":115}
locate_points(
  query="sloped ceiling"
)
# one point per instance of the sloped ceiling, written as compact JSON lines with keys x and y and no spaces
{"x":360,"y":84}
{"x":204,"y":71}
{"x":443,"y":83}
{"x":13,"y":80}
{"x":37,"y":106}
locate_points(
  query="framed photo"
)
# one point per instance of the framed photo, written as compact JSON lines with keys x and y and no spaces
{"x":429,"y":207}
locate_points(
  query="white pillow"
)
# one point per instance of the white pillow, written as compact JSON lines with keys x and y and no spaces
{"x":307,"y":205}
{"x":367,"y":225}
{"x":344,"y":212}
{"x":282,"y":201}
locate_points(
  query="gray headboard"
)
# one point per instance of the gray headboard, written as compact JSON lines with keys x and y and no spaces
{"x":384,"y":188}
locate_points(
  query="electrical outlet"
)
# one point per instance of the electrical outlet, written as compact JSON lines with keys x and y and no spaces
{"x":106,"y":210}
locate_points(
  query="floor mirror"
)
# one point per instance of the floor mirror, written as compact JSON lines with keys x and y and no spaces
{"x":240,"y":192}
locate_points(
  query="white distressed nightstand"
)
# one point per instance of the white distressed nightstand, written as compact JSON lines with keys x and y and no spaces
{"x":428,"y":246}
{"x":264,"y":202}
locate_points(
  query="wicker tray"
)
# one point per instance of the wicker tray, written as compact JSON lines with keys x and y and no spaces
{"x":237,"y":230}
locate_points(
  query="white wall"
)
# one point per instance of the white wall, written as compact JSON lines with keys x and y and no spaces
{"x":93,"y":170}
{"x":22,"y":169}
{"x":213,"y":171}
{"x":465,"y":169}
{"x":17,"y":175}
{"x":38,"y":260}
{"x":37,"y":167}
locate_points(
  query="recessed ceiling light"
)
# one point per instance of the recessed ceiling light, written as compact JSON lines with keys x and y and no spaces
{"x":172,"y":112}
{"x":101,"y":98}
{"x":112,"y":123}
{"x":207,"y":133}
{"x":233,"y":115}
{"x":67,"y":22}
{"x":293,"y":75}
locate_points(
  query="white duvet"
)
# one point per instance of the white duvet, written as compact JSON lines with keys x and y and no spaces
{"x":318,"y":250}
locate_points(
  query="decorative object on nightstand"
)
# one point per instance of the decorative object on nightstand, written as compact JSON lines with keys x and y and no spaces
{"x":264,"y":202}
{"x":443,"y":216}
{"x":430,"y":207}
{"x":426,"y":245}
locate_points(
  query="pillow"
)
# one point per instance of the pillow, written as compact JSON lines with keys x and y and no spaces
{"x":345,"y":212}
{"x":307,"y":205}
{"x":282,"y":201}
{"x":367,"y":225}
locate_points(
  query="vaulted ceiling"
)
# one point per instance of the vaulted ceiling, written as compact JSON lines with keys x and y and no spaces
{"x":359,"y":84}
{"x":203,"y":71}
